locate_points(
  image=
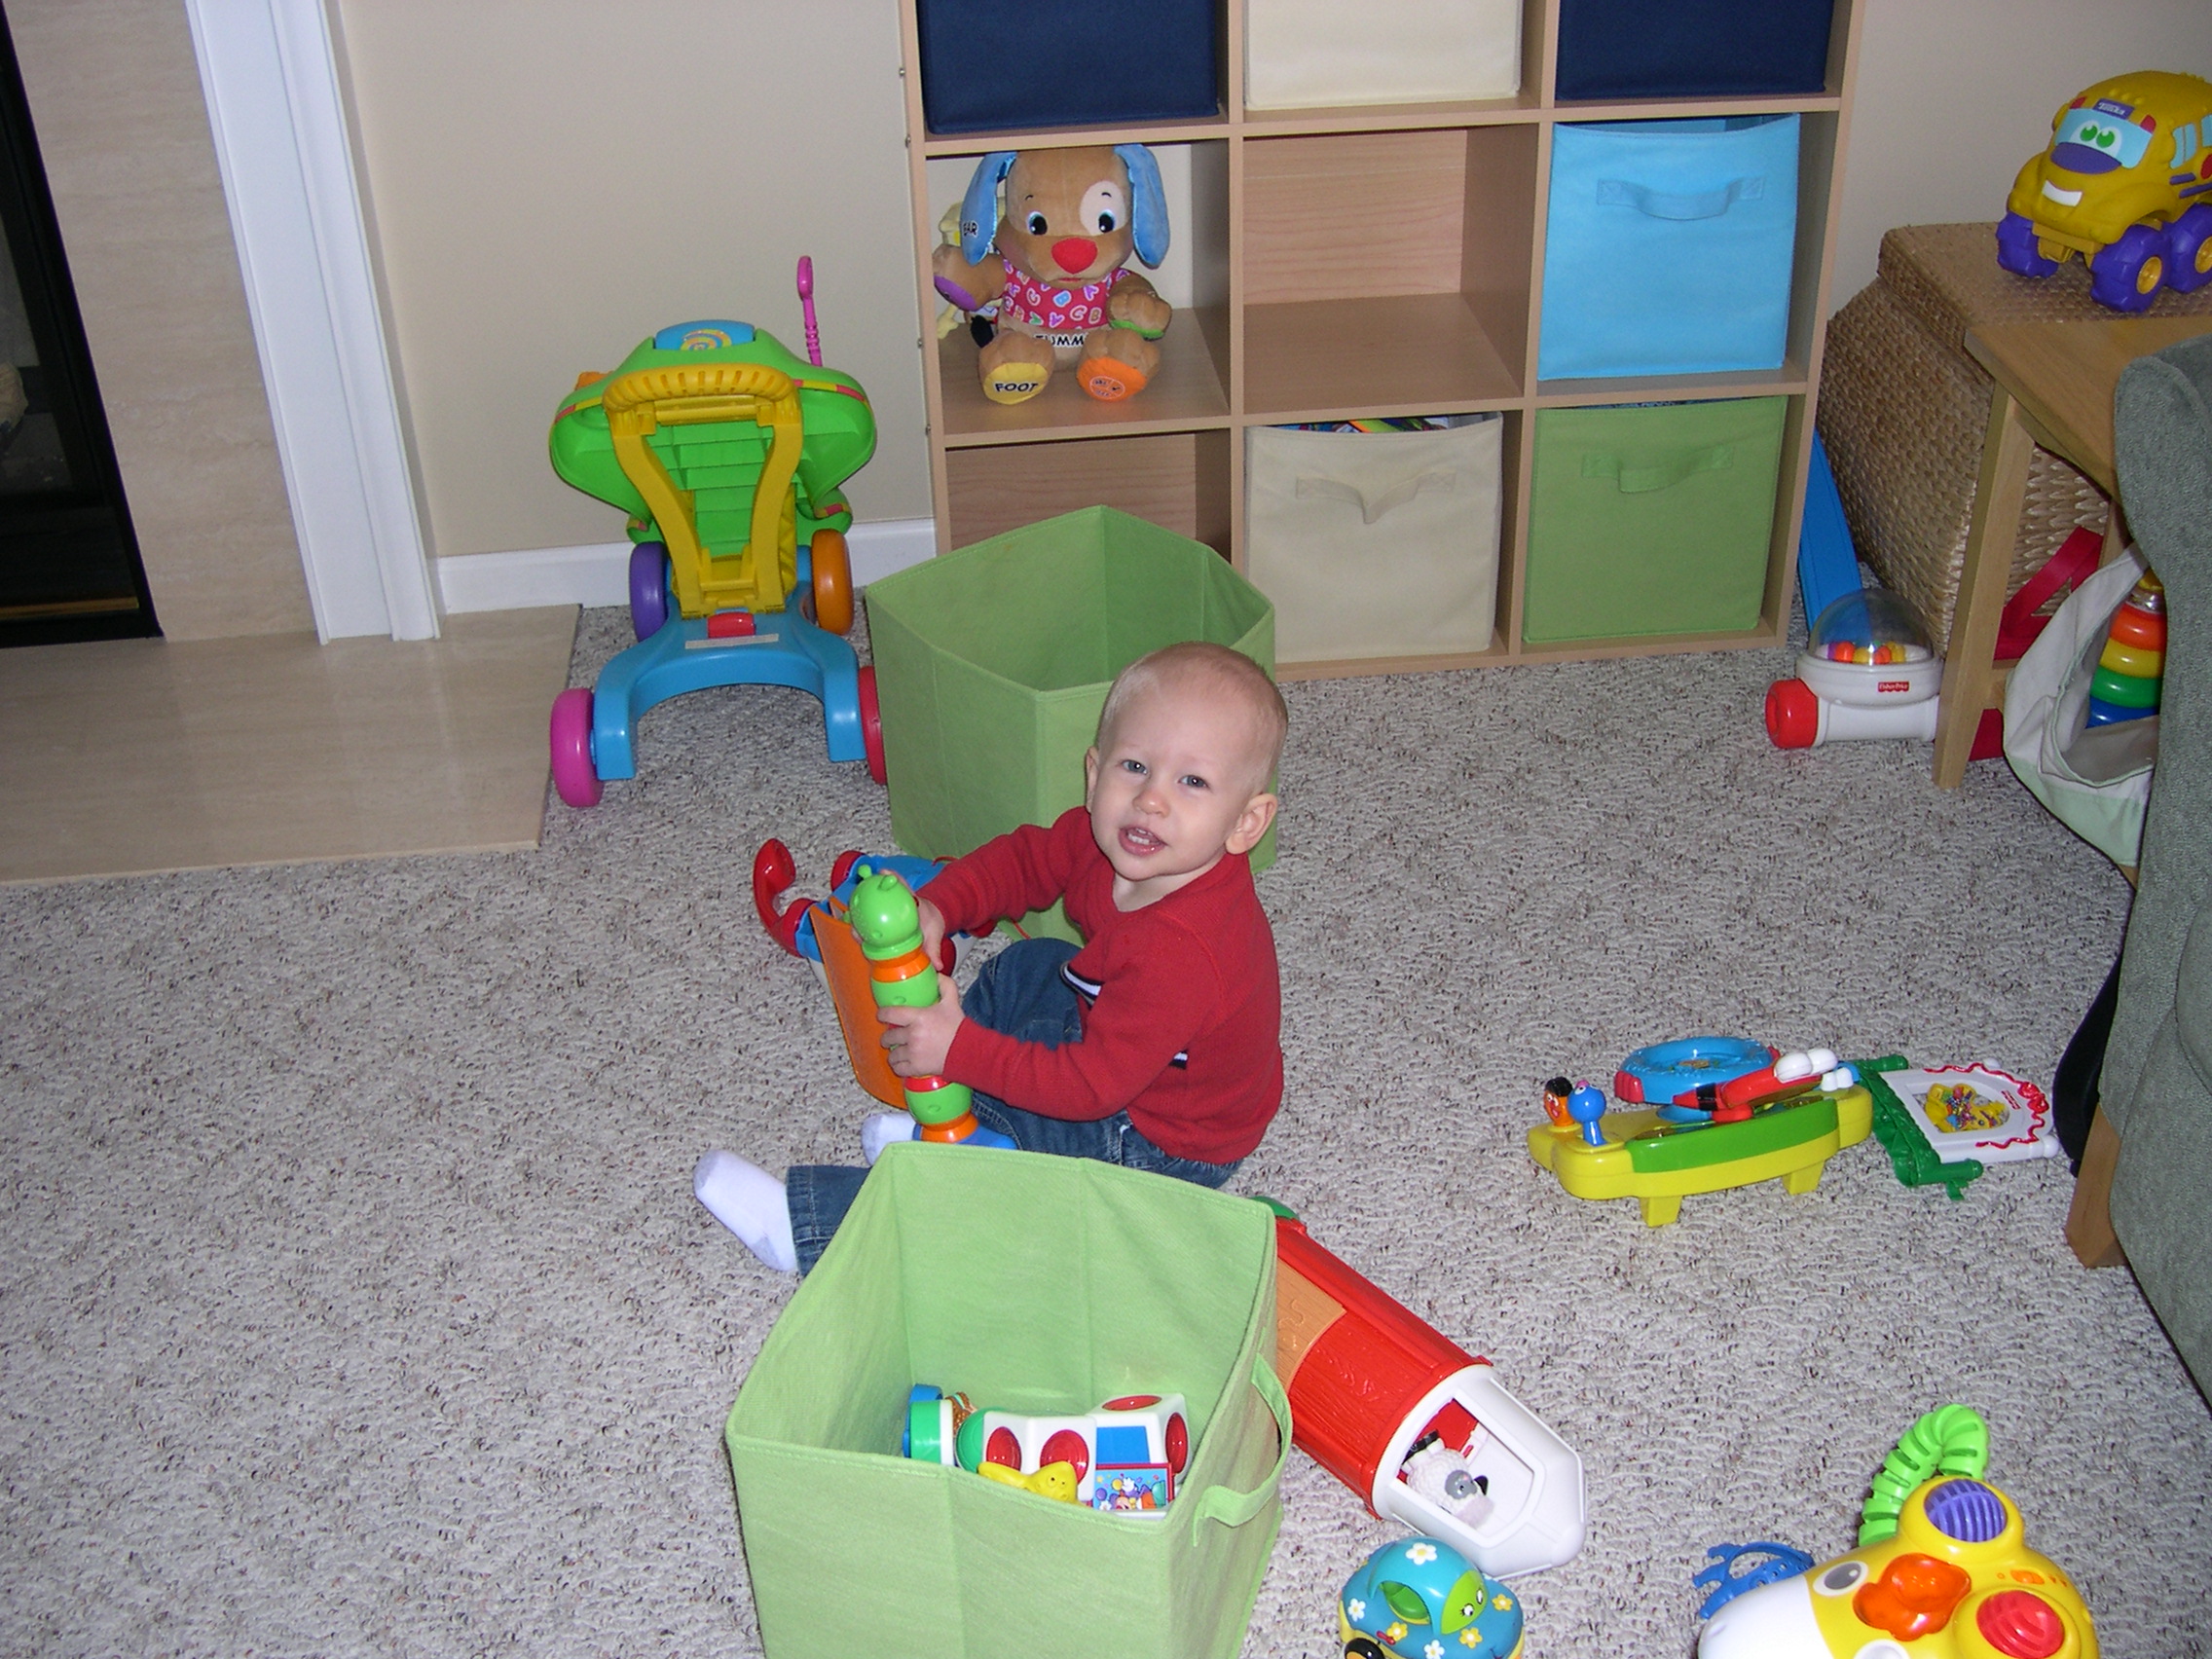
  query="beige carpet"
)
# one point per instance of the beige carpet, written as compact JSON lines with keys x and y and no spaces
{"x":135,"y":755}
{"x":353,"y":1300}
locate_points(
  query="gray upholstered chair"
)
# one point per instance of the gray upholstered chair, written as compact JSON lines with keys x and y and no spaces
{"x":2157,"y":1086}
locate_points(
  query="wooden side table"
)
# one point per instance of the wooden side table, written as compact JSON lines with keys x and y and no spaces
{"x":2054,"y":387}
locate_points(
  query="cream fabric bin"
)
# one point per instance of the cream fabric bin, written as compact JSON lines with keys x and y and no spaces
{"x":1376,"y":544}
{"x":1306,"y":53}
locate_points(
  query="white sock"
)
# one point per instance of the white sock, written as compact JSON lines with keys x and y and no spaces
{"x":879,"y":1129}
{"x":750,"y":1202}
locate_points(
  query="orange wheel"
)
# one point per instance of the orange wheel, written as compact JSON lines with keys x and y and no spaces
{"x":833,"y":581}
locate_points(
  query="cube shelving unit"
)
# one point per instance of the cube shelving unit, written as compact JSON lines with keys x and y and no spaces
{"x":1292,"y":214}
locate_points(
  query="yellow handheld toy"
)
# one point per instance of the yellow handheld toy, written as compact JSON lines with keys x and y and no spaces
{"x":2126,"y":183}
{"x":1942,"y":1570}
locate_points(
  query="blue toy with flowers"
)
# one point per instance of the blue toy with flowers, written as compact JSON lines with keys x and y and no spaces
{"x":1421,"y":1599}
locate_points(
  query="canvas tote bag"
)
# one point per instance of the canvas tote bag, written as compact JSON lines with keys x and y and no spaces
{"x":2095,"y":780}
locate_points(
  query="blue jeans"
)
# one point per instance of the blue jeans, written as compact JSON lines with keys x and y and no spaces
{"x":1020,"y":993}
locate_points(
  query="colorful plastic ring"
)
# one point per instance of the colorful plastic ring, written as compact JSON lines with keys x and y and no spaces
{"x":1663,"y":1070}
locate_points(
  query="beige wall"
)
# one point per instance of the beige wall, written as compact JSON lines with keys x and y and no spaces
{"x":115,"y":97}
{"x":1955,"y":95}
{"x":554,"y":179}
{"x":551,"y":178}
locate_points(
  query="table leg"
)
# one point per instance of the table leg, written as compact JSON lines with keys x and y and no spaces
{"x":1991,"y":537}
{"x":2088,"y":1222}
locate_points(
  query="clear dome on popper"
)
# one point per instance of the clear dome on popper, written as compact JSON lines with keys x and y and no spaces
{"x":1871,"y":626}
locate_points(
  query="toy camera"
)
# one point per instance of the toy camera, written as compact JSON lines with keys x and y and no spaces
{"x":2126,"y":183}
{"x":1422,"y":1599}
{"x":1942,"y":1568}
{"x":1125,"y":1456}
{"x":1868,"y":671}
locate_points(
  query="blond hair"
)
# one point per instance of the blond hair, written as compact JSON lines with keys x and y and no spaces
{"x":1194,"y":664}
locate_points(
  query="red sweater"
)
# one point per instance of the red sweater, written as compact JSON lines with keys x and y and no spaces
{"x":1183,"y":1023}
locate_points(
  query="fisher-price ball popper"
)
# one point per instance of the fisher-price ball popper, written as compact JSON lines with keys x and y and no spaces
{"x":1868,"y":671}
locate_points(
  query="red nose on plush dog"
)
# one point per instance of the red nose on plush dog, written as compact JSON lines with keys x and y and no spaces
{"x":1074,"y":254}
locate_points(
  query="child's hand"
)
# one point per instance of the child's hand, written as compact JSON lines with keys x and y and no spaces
{"x":933,"y":928}
{"x":920,"y":1038}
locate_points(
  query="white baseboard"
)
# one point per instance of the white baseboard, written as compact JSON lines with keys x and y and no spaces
{"x":599,"y":573}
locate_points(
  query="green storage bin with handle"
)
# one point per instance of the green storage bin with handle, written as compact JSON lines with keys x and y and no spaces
{"x":993,"y":661}
{"x":1651,"y":519}
{"x":1030,"y":1284}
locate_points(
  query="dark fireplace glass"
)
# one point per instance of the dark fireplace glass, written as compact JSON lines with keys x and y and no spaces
{"x":69,"y":565}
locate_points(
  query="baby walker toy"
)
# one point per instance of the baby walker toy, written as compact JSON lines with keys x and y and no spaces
{"x":1420,"y":1599}
{"x":1421,"y":1429}
{"x":2126,"y":184}
{"x":1126,"y":1456}
{"x":727,"y":453}
{"x":1942,"y":1570}
{"x":1785,"y":1118}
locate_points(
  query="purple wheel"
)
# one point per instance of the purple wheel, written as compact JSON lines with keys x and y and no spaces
{"x":569,"y":737}
{"x":2188,"y":251}
{"x":648,"y":588}
{"x":2017,"y":249}
{"x":2125,"y":273}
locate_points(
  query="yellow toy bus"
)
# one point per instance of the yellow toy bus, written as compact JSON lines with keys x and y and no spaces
{"x":2126,"y":183}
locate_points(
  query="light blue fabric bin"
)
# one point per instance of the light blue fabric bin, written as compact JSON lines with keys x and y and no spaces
{"x":1669,"y":246}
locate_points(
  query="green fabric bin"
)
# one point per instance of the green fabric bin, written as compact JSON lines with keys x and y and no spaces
{"x":1030,"y":1284}
{"x":1651,"y":519}
{"x":992,"y":663}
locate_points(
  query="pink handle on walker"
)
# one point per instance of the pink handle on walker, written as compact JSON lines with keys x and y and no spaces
{"x":806,"y":304}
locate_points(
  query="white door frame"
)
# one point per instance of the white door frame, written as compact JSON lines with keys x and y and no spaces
{"x":274,"y":103}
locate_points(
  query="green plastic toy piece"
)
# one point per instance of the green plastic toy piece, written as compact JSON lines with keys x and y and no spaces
{"x":1910,"y":1156}
{"x":1950,"y":1440}
{"x":888,"y":924}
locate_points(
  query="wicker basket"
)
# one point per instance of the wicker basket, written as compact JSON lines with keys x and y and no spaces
{"x":1903,"y":410}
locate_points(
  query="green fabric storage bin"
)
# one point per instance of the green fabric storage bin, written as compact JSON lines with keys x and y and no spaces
{"x":992,"y":663}
{"x":1651,"y":519}
{"x":1030,"y":1284}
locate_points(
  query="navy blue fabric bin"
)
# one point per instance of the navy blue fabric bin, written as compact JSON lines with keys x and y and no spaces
{"x":1658,"y":48}
{"x":1669,"y":246}
{"x":1079,"y":62}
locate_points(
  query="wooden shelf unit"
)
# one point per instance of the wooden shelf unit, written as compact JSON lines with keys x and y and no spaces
{"x":1293,"y":215}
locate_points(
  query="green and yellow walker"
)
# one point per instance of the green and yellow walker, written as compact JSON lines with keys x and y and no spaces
{"x":727,"y":452}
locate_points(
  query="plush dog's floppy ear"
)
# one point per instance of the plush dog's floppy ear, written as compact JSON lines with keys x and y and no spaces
{"x":1148,"y":204}
{"x":979,"y":209}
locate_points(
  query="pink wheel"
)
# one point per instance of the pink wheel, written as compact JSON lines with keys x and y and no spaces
{"x":569,"y":737}
{"x":871,"y":723}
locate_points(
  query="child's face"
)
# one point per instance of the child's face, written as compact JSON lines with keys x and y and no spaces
{"x":1172,"y":791}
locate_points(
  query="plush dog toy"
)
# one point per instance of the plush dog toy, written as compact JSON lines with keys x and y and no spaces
{"x":1072,"y":217}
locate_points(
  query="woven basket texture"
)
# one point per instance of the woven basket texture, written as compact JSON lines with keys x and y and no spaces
{"x":1902,"y":415}
{"x":1904,"y":409}
{"x":1948,"y":276}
